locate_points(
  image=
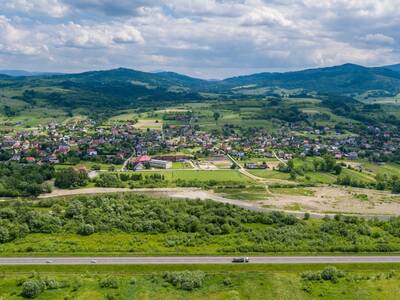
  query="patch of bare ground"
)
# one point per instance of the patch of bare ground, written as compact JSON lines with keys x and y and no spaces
{"x":335,"y":199}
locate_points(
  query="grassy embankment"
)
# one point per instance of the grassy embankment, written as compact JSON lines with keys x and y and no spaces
{"x":218,"y":282}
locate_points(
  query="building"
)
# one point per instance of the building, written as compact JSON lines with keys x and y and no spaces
{"x":160,"y":164}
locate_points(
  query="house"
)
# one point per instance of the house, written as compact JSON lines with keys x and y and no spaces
{"x":30,"y":159}
{"x":138,"y":167}
{"x":352,"y":155}
{"x":92,"y":152}
{"x":142,"y":159}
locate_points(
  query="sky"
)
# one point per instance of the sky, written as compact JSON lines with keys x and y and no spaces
{"x":201,"y":38}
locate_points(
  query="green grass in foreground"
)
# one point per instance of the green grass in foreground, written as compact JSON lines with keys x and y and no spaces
{"x":378,"y":281}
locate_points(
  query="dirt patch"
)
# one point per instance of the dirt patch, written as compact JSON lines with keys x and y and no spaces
{"x":339,"y":199}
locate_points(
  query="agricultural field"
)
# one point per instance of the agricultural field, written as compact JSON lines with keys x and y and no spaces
{"x":207,"y":282}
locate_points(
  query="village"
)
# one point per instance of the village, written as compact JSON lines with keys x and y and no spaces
{"x":122,"y":146}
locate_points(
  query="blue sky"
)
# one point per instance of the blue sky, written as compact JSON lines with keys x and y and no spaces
{"x":202,"y":38}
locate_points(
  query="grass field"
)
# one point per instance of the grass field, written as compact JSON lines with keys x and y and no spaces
{"x":247,"y":193}
{"x":200,"y":175}
{"x":219,"y":282}
{"x":295,"y":191}
{"x":88,"y":165}
{"x":270,"y":174}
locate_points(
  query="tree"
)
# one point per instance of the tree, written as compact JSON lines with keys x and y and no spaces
{"x":4,"y":235}
{"x":338,"y":169}
{"x":330,"y":163}
{"x":8,"y":112}
{"x":396,"y":187}
{"x":70,"y":177}
{"x":216,"y":116}
{"x":32,"y":288}
{"x":290,"y":165}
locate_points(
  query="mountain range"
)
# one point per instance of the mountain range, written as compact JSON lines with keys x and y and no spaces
{"x":125,"y":87}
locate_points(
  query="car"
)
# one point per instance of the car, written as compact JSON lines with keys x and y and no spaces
{"x":49,"y":261}
{"x":93,"y":261}
{"x":240,"y":260}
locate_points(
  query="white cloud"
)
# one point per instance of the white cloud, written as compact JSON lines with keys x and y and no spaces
{"x":265,"y":16}
{"x":52,"y":8}
{"x":15,"y":41}
{"x":378,"y":38}
{"x":96,"y":36}
{"x":214,"y":37}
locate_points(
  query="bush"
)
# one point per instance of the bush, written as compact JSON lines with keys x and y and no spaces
{"x":109,"y":282}
{"x":331,"y":273}
{"x":4,"y":235}
{"x":86,"y":229}
{"x":311,"y":276}
{"x":328,"y":274}
{"x":32,"y":288}
{"x":185,"y":280}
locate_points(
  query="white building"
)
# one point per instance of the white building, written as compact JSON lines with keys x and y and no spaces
{"x":160,"y":164}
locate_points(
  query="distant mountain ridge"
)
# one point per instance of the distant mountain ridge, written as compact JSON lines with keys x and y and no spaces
{"x":345,"y":78}
{"x":395,"y":68}
{"x":18,"y":73}
{"x":122,"y":87}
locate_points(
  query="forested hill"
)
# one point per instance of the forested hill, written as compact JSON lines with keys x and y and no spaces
{"x":342,"y":79}
{"x":120,"y":88}
{"x":395,"y":68}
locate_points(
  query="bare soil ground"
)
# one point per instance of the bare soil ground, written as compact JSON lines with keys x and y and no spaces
{"x":330,"y":199}
{"x":326,"y":199}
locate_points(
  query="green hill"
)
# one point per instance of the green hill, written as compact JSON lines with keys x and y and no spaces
{"x":125,"y":88}
{"x":342,"y":79}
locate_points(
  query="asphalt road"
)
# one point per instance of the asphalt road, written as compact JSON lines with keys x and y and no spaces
{"x":194,"y":260}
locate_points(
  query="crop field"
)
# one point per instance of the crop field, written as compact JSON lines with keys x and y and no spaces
{"x":212,"y":282}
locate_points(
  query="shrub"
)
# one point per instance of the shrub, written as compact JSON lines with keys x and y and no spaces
{"x":328,"y":274}
{"x":109,"y":282}
{"x":86,"y":229}
{"x":331,"y":273}
{"x":32,"y":288}
{"x":311,"y":276}
{"x":185,"y":280}
{"x":51,"y":284}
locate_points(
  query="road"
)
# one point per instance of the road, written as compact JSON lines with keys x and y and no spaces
{"x":125,"y":164}
{"x":243,"y":171}
{"x":278,"y":158}
{"x":195,"y":260}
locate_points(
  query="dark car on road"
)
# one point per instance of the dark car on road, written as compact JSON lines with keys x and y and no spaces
{"x":240,"y":260}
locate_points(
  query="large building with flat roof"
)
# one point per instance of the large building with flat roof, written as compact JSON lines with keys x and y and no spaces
{"x":160,"y":164}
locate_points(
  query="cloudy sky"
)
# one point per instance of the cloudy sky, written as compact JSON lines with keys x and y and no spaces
{"x":203,"y":38}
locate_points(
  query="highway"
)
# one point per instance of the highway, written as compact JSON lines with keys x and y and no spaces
{"x":195,"y":260}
